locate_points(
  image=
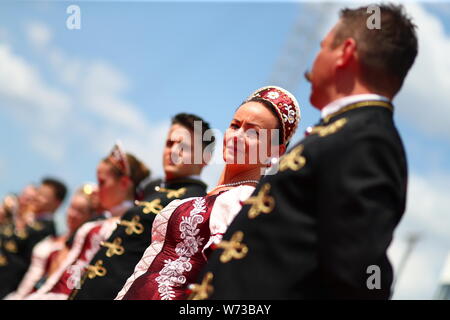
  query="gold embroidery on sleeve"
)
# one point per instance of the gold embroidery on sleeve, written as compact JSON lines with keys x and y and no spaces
{"x":233,"y":249}
{"x":96,"y":270}
{"x":37,"y":226}
{"x":3,"y":261}
{"x":324,"y":131}
{"x":113,"y":247}
{"x":11,"y":246}
{"x":261,"y":203}
{"x":293,"y":160}
{"x":8,"y":231}
{"x":153,"y":206}
{"x":171,"y":193}
{"x":202,"y":291}
{"x":133,"y":226}
{"x":21,"y":234}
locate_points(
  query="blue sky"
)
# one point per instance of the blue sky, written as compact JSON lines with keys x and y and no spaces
{"x":67,"y":95}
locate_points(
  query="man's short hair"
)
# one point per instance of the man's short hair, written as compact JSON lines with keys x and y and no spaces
{"x":387,"y":53}
{"x":187,"y":120}
{"x":58,"y":187}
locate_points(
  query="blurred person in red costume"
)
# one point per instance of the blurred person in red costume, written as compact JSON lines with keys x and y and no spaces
{"x":50,"y":252}
{"x":118,"y":177}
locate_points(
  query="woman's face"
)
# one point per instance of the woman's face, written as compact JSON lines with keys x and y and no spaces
{"x":112,"y":190}
{"x":248,"y":139}
{"x":78,"y":212}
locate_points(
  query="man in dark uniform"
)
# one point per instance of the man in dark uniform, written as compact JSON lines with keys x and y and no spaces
{"x":320,"y":227}
{"x":115,"y":261}
{"x":33,"y":225}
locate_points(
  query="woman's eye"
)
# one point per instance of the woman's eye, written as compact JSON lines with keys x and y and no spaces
{"x":234,"y":126}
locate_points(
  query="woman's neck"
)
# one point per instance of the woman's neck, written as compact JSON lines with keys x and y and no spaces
{"x":230,"y":175}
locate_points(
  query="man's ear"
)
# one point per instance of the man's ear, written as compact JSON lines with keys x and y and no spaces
{"x":347,"y":52}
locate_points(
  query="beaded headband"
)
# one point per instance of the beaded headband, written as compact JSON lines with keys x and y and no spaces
{"x":119,"y":159}
{"x":285,"y":105}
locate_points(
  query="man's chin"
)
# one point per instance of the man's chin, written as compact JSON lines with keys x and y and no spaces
{"x":172,"y":172}
{"x":314,"y":100}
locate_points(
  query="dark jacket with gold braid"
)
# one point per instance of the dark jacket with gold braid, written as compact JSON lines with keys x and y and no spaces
{"x":313,"y":230}
{"x":16,"y":250}
{"x":126,"y":245}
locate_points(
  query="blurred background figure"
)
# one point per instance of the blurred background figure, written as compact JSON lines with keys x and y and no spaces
{"x":27,"y":202}
{"x":8,"y":209}
{"x":49,"y":253}
{"x":118,"y":177}
{"x":32,"y":223}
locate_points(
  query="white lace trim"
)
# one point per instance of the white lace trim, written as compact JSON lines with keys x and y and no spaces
{"x":159,"y":230}
{"x":225,"y":209}
{"x":74,"y":256}
{"x":173,"y":272}
{"x":78,"y":243}
{"x":106,"y":229}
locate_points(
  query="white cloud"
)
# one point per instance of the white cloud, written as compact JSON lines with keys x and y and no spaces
{"x":21,"y":82}
{"x":26,"y":95}
{"x":423,"y":100}
{"x":427,"y":215}
{"x":68,"y":69}
{"x":38,"y":34}
{"x":421,"y":275}
{"x":101,"y":92}
{"x":48,"y":144}
{"x":4,"y":34}
{"x":102,"y":114}
{"x":97,"y":89}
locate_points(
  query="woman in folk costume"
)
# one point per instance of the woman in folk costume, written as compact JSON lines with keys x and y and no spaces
{"x":48,"y":253}
{"x":183,"y":231}
{"x":118,"y":177}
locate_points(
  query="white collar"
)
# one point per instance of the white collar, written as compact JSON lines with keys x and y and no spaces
{"x":340,"y":103}
{"x":119,"y":210}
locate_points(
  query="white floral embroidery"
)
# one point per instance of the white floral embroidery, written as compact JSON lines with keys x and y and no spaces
{"x":172,"y":273}
{"x":290,"y":117}
{"x":273,"y":95}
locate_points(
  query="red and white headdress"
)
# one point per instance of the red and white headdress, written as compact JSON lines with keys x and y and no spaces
{"x":118,"y":159}
{"x":285,"y":105}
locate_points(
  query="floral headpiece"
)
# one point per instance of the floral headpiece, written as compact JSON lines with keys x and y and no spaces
{"x":285,"y":105}
{"x":118,"y":159}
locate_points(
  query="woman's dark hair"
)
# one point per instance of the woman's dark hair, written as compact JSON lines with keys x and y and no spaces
{"x":138,"y":171}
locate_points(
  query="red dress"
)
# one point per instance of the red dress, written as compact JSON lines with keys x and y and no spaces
{"x":86,"y":244}
{"x":181,"y":257}
{"x":181,"y":234}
